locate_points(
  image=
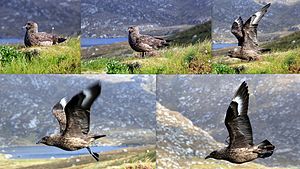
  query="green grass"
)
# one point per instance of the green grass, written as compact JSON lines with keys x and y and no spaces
{"x":193,"y":35}
{"x":144,"y":157}
{"x":276,"y":62}
{"x":189,"y":59}
{"x":291,"y":41}
{"x":63,"y":58}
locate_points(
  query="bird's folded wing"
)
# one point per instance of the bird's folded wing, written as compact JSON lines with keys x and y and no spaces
{"x":59,"y":114}
{"x":151,"y":41}
{"x":78,"y":111}
{"x":43,"y":36}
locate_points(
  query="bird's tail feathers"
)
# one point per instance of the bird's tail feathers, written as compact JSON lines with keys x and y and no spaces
{"x":60,"y":40}
{"x":265,"y":149}
{"x":98,"y":136}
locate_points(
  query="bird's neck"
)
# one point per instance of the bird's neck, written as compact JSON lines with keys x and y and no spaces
{"x":33,"y":30}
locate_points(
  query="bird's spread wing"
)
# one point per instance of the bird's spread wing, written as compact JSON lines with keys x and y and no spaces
{"x":237,"y":121}
{"x":59,"y":114}
{"x":250,"y":26}
{"x":237,"y":30}
{"x":259,"y":14}
{"x":78,"y":111}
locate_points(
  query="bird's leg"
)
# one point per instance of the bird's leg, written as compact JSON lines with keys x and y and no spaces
{"x":95,"y":155}
{"x":143,"y":54}
{"x":227,"y":140}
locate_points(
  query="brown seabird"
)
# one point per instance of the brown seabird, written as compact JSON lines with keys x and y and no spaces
{"x":241,"y":148}
{"x":35,"y":38}
{"x":246,"y":34}
{"x":144,"y":43}
{"x":74,"y":121}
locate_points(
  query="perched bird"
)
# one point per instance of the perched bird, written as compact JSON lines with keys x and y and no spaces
{"x":144,"y":43}
{"x":246,"y":34}
{"x":35,"y":38}
{"x":74,"y":121}
{"x":241,"y":148}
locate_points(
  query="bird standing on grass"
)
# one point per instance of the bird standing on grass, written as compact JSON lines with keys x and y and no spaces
{"x":144,"y":43}
{"x":74,"y":121}
{"x":35,"y":38}
{"x":241,"y":148}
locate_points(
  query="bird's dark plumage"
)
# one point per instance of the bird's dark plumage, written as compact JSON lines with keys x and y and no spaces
{"x":246,"y":34}
{"x":74,"y":120}
{"x":144,"y":43}
{"x":241,"y":148}
{"x":35,"y":38}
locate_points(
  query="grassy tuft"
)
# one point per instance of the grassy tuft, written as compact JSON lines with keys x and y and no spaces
{"x":190,"y":59}
{"x":63,"y":58}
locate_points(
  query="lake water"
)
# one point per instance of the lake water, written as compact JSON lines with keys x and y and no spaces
{"x":9,"y":41}
{"x":89,"y":42}
{"x":38,"y":152}
{"x":217,"y":46}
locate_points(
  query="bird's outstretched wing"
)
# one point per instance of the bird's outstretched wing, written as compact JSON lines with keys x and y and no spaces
{"x":78,"y":111}
{"x":237,"y":30}
{"x":237,"y":121}
{"x":59,"y":114}
{"x":250,"y":26}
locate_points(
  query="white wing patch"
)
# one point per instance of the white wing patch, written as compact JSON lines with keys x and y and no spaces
{"x":88,"y":96}
{"x":63,"y":102}
{"x":258,"y":16}
{"x":239,"y":101}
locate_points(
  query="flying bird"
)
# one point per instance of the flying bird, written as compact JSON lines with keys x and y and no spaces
{"x":35,"y":38}
{"x":144,"y":43}
{"x":241,"y":148}
{"x":74,"y":122}
{"x":246,"y":34}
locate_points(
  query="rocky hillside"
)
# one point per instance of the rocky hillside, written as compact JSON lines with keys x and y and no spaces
{"x":273,"y":109}
{"x":178,"y":139}
{"x":112,"y":18}
{"x":125,"y":111}
{"x":282,"y":17}
{"x":63,"y":15}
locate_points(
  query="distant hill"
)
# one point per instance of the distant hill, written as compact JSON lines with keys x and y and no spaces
{"x":112,"y":18}
{"x":273,"y":108}
{"x":282,"y":17}
{"x":125,"y":111}
{"x":63,"y":15}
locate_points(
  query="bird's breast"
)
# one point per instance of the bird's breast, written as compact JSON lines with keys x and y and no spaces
{"x":72,"y":143}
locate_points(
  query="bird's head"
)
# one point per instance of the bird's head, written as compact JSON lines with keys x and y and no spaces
{"x":214,"y":154}
{"x":30,"y":25}
{"x":45,"y":140}
{"x":133,"y":29}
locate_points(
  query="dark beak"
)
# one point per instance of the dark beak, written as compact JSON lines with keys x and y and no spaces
{"x":38,"y":142}
{"x":207,"y":157}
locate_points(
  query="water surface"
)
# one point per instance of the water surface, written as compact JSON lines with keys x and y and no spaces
{"x":38,"y":152}
{"x":217,"y":46}
{"x":90,"y":42}
{"x":10,"y":41}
